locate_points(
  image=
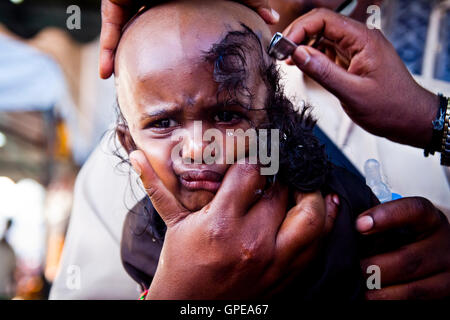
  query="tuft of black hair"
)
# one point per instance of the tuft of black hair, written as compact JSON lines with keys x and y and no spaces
{"x":303,"y":160}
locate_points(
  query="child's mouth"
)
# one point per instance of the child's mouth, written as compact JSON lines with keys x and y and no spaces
{"x":196,"y":180}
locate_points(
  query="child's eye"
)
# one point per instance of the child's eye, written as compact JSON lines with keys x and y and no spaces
{"x":163,"y":124}
{"x":227,"y":116}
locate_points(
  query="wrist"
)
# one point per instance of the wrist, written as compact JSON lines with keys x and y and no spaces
{"x":439,"y":130}
{"x":421,"y":130}
{"x":431,"y":107}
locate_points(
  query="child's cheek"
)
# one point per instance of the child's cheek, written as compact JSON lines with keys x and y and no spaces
{"x":239,"y":145}
{"x":158,"y":154}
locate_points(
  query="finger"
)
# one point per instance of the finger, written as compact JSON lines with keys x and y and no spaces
{"x":114,"y":17}
{"x":241,"y":187}
{"x":332,"y":203}
{"x":168,"y":207}
{"x":348,"y":34}
{"x":319,"y":67}
{"x":348,"y":37}
{"x":270,"y":210}
{"x":435,"y":287}
{"x":412,"y":262}
{"x":291,"y":272}
{"x":417,"y":213}
{"x":301,"y":261}
{"x":303,"y":225}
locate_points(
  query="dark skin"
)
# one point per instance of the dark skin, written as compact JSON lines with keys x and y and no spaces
{"x":253,"y":243}
{"x":419,"y":270}
{"x":428,"y":245}
{"x":290,"y":10}
{"x":367,"y":87}
{"x":369,"y":84}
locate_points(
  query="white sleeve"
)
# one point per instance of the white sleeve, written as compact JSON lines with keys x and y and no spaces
{"x":91,"y":267}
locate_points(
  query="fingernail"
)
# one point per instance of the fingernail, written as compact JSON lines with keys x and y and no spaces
{"x":302,"y":56}
{"x":336,"y":200}
{"x":275,"y":15}
{"x":364,"y":224}
{"x":136,"y":167}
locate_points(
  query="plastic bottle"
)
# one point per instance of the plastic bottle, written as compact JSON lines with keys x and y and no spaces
{"x":375,"y":182}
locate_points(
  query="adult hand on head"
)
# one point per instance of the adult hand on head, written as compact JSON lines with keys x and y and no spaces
{"x":290,"y":10}
{"x":419,"y":270}
{"x":117,"y":13}
{"x":375,"y":88}
{"x":241,"y":245}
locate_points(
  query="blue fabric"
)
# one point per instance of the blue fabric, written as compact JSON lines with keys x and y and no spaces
{"x":334,"y":154}
{"x":442,"y":71}
{"x":29,"y":79}
{"x":409,"y":31}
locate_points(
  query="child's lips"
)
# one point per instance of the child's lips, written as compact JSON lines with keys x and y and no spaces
{"x":195,"y":180}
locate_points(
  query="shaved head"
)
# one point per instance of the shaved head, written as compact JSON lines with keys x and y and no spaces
{"x":179,"y":37}
{"x":187,"y":61}
{"x":187,"y":27}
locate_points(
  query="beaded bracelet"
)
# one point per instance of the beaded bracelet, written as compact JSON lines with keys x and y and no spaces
{"x":445,"y":150}
{"x":438,"y":127}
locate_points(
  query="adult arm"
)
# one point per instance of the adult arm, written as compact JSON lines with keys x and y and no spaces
{"x":374,"y":87}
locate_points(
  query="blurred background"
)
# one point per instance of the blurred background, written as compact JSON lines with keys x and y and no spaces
{"x":54,"y":110}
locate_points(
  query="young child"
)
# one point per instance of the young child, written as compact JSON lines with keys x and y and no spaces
{"x":174,"y":69}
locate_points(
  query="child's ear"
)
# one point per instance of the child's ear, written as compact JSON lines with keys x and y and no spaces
{"x":125,"y":138}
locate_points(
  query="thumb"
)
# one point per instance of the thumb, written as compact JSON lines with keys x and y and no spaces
{"x":332,"y":207}
{"x":168,"y":207}
{"x":319,"y":67}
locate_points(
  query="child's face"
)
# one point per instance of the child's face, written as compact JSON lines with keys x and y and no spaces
{"x":173,"y":95}
{"x":164,"y":83}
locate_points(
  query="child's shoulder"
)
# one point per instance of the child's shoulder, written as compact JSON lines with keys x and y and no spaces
{"x":352,"y":189}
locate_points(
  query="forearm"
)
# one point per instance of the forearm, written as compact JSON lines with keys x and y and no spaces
{"x":415,"y":128}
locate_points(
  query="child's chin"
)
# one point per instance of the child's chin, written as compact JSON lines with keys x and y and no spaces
{"x":195,"y":201}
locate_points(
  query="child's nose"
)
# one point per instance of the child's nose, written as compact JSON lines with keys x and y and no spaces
{"x":194,"y":144}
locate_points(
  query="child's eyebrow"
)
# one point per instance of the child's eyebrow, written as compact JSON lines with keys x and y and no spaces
{"x":177,"y":110}
{"x":163,"y":112}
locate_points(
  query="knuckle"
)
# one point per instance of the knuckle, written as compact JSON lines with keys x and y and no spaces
{"x":375,"y":35}
{"x":424,"y":210}
{"x":409,"y":262}
{"x":421,"y":204}
{"x":249,"y":255}
{"x":324,"y":71}
{"x":254,"y":253}
{"x":218,"y":230}
{"x":313,"y":216}
{"x":152,"y":193}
